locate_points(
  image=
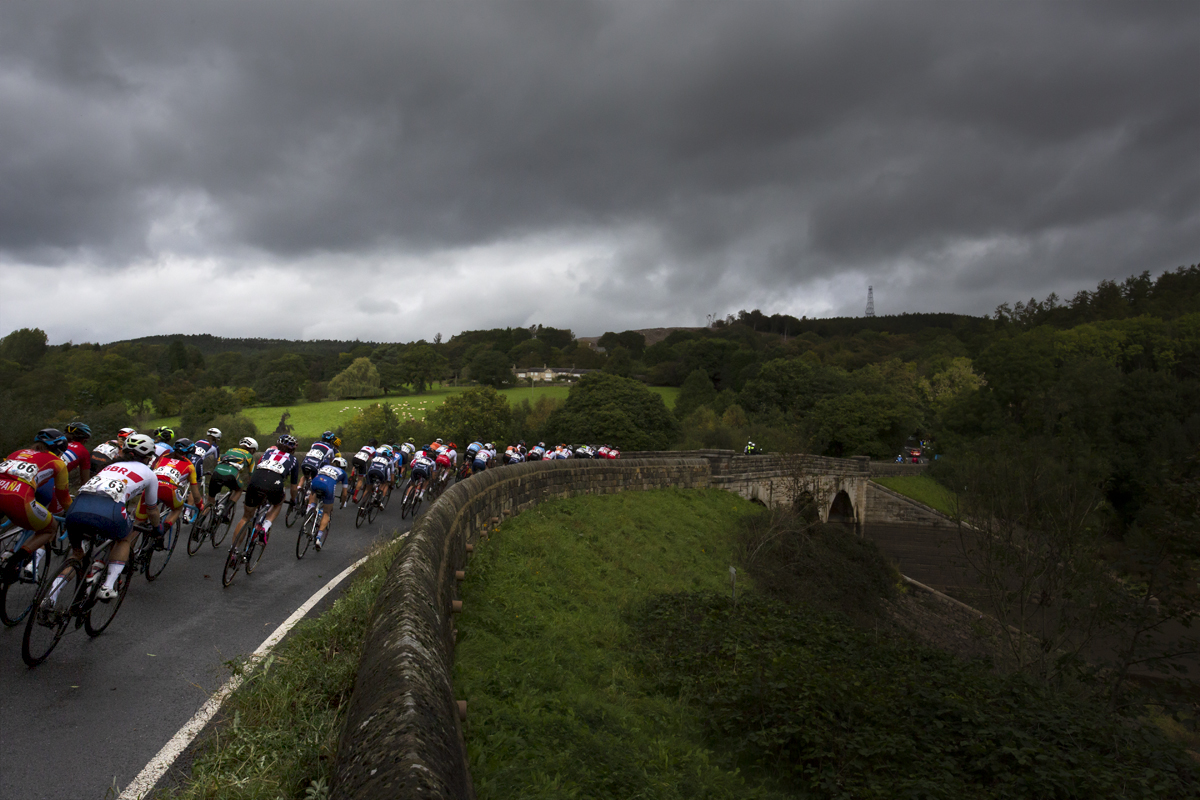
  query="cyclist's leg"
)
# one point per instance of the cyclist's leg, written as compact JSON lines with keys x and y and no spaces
{"x":96,"y":517}
{"x":254,"y":499}
{"x":31,"y":515}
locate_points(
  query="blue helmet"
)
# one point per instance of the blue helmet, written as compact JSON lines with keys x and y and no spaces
{"x":53,"y":439}
{"x":328,"y":436}
{"x":79,"y":431}
{"x":184,"y":447}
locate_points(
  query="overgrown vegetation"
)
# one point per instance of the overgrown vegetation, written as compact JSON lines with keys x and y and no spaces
{"x":280,"y":731}
{"x":923,"y":489}
{"x":602,"y":656}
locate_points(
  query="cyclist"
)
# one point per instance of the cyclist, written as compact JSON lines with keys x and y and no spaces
{"x":207,"y":453}
{"x":108,"y":452}
{"x":100,"y":511}
{"x":21,"y":475}
{"x":445,"y":465}
{"x":361,"y":460}
{"x":380,"y":469}
{"x":324,"y":489}
{"x":77,"y":456}
{"x":406,"y":453}
{"x":585,"y":451}
{"x":319,"y":454}
{"x":537,"y":452}
{"x":277,"y":464}
{"x":422,"y":468}
{"x":751,"y":449}
{"x":233,"y":470}
{"x":177,"y":479}
{"x":163,"y":436}
{"x":483,"y":458}
{"x":472,"y":449}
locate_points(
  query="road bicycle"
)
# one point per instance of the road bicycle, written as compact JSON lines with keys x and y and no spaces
{"x":374,"y":500}
{"x":310,"y":528}
{"x":412,"y":498}
{"x":71,"y":595}
{"x":154,"y":552}
{"x":212,"y":523}
{"x":16,"y":598}
{"x":250,"y":552}
{"x":296,"y":510}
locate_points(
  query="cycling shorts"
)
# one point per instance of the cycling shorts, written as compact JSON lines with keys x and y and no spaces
{"x":444,"y":461}
{"x":310,"y":468}
{"x":22,"y":507}
{"x":264,"y":485}
{"x":360,"y":464}
{"x":324,"y":488}
{"x":218,"y":480}
{"x":479,"y":465}
{"x":172,"y":496}
{"x":377,"y":475}
{"x":94,"y":517}
{"x":420,"y":471}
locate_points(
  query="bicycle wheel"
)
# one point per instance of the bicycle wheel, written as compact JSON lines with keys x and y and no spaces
{"x":254,"y":553}
{"x":296,"y":511}
{"x":99,"y":613}
{"x":416,"y":504}
{"x":159,"y":553}
{"x":361,"y":516}
{"x":44,"y":628}
{"x":232,"y":562}
{"x":17,"y":598}
{"x":307,"y":532}
{"x":221,"y":525}
{"x":373,"y":505}
{"x":199,"y":531}
{"x":385,"y":499}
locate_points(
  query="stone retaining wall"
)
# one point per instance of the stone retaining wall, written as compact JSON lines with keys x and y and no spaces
{"x":403,"y":737}
{"x":892,"y":469}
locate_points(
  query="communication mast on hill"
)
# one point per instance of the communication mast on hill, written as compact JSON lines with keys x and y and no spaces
{"x":870,"y":301}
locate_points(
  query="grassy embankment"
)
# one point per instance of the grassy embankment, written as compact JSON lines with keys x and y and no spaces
{"x":601,"y":657}
{"x":923,"y":489}
{"x":310,"y":419}
{"x":281,"y":727}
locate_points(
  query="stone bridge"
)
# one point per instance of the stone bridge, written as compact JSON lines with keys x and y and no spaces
{"x":838,"y":487}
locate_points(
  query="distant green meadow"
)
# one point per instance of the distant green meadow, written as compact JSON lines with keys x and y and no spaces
{"x":311,"y":419}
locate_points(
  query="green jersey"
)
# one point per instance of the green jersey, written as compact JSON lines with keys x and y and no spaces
{"x":236,"y":463}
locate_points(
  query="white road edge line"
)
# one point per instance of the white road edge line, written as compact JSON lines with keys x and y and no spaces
{"x":158,"y":766}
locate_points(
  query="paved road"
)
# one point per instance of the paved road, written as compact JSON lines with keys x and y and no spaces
{"x":98,"y":710}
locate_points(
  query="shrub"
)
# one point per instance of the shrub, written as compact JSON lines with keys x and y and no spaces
{"x":604,"y":408}
{"x":203,"y":407}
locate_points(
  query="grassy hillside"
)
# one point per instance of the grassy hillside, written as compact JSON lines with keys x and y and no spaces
{"x":923,"y":489}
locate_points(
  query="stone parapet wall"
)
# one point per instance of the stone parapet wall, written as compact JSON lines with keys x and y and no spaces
{"x":402,"y":736}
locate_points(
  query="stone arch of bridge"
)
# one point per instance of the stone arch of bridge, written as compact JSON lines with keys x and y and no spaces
{"x":842,"y":509}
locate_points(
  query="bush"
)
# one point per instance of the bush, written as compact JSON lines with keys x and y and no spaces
{"x":609,"y":409}
{"x":203,"y":407}
{"x":360,"y":379}
{"x":279,"y":388}
{"x":481,"y":413}
{"x":376,"y":421}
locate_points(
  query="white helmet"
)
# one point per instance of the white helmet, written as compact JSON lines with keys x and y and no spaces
{"x":139,"y":444}
{"x":214,"y":433}
{"x":249,"y":443}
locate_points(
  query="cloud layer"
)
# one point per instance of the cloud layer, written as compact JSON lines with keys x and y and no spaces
{"x":387,"y":170}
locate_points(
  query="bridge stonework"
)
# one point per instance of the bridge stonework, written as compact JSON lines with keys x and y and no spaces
{"x":781,"y":480}
{"x":403,"y":735}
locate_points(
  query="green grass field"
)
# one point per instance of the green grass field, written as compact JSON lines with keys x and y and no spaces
{"x":923,"y":489}
{"x":310,"y":419}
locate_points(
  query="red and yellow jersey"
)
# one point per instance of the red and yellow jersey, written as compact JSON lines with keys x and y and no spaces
{"x":178,"y":472}
{"x":26,"y":470}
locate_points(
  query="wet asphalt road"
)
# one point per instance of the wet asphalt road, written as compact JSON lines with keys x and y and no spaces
{"x":93,"y":714}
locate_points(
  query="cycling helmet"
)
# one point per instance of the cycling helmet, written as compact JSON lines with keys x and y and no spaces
{"x":79,"y":431}
{"x":214,"y":434}
{"x":386,"y":450}
{"x":184,"y":447}
{"x":328,"y":436}
{"x":373,"y":442}
{"x":124,"y":433}
{"x":139,"y":445}
{"x":439,"y":441}
{"x":53,"y":438}
{"x":164,"y":434}
{"x":340,"y":462}
{"x":287,"y":442}
{"x":248,"y":443}
{"x":542,"y":445}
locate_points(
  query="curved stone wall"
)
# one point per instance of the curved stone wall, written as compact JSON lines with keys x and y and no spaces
{"x":403,"y":736}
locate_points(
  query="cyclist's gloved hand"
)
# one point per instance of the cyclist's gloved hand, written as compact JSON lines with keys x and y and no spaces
{"x":159,"y":529}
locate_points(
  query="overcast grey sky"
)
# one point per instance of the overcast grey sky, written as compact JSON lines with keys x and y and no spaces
{"x":389,"y":170}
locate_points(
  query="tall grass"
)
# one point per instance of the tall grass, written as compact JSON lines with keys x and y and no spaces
{"x":923,"y":489}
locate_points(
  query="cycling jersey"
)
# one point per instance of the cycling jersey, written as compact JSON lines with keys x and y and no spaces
{"x":175,"y":477}
{"x":124,"y":481}
{"x":480,"y":463}
{"x":320,"y":454}
{"x":380,"y":469}
{"x":30,"y":470}
{"x":536,"y":454}
{"x":422,"y":465}
{"x":105,"y":454}
{"x":100,"y":510}
{"x":77,"y":457}
{"x":583,"y":451}
{"x":325,"y":484}
{"x":266,"y":483}
{"x":205,"y":454}
{"x":161,"y":449}
{"x":364,"y":456}
{"x":234,"y":465}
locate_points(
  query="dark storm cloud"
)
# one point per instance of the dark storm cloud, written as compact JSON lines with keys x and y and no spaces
{"x":999,"y":145}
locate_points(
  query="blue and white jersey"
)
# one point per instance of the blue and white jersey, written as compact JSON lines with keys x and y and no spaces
{"x":320,"y":454}
{"x":332,"y":473}
{"x":280,"y":462}
{"x":365,"y":454}
{"x":380,"y":465}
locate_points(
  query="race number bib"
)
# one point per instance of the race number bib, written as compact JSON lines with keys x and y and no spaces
{"x":170,"y":473}
{"x":317,"y":454}
{"x":332,"y":472}
{"x":379,"y":461}
{"x":272,"y":465}
{"x":21,"y":470}
{"x":107,"y":485}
